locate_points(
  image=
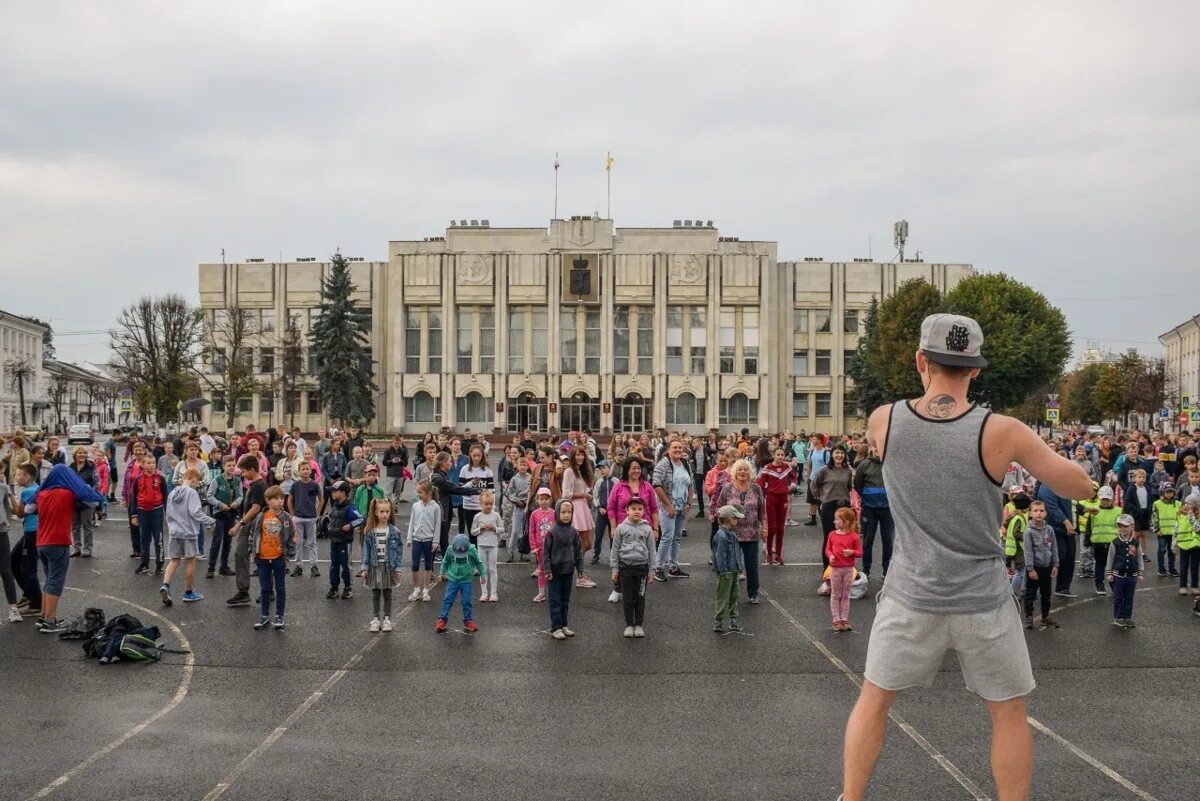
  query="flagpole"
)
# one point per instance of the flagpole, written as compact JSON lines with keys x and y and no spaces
{"x":555,"y":185}
{"x":608,"y":172}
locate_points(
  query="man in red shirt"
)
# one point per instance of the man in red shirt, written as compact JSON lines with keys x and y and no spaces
{"x":61,"y":492}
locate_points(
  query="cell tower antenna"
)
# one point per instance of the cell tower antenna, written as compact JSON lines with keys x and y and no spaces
{"x":900,"y":238}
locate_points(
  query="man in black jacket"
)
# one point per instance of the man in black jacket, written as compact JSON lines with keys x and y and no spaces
{"x":395,"y":460}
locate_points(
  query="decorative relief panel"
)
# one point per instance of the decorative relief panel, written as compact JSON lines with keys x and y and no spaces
{"x":687,"y":278}
{"x":473,"y":278}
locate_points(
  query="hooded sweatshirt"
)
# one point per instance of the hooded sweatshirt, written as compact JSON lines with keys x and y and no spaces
{"x":185,"y":515}
{"x":562,"y":552}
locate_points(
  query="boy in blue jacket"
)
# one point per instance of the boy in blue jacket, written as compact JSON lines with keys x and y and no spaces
{"x":725,"y":563}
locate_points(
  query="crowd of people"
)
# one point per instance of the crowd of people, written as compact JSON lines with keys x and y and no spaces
{"x":255,"y":504}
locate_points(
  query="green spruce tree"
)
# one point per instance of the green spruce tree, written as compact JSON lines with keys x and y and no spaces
{"x":341,"y":339}
{"x":870,"y":392}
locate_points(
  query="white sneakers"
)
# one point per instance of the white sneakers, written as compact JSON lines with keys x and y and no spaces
{"x":415,"y":594}
{"x":14,"y":616}
{"x":559,"y":634}
{"x":374,"y":627}
{"x":493,"y":598}
{"x":567,"y":632}
{"x":387,"y":624}
{"x":638,"y":631}
{"x":614,"y":597}
{"x":424,"y":595}
{"x":629,"y":631}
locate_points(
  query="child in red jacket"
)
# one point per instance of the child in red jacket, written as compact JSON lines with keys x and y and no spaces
{"x":776,"y":479}
{"x":843,"y":549}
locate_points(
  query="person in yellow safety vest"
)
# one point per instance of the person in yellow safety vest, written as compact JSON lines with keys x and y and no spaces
{"x":1102,"y":530}
{"x":1187,"y":543}
{"x":1163,"y":516}
{"x":1014,"y":539}
{"x":1083,"y":512}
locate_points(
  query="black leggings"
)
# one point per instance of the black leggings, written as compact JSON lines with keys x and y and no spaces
{"x":6,"y":572}
{"x":828,"y":510}
{"x":387,"y":601}
{"x":465,"y":518}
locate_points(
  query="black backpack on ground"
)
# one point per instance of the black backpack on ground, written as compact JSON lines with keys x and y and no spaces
{"x":96,"y":646}
{"x":85,"y":626}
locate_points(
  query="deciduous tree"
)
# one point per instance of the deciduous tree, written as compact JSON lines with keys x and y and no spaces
{"x":156,"y":343}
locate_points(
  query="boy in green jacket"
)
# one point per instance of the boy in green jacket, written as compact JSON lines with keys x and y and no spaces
{"x":458,"y":570}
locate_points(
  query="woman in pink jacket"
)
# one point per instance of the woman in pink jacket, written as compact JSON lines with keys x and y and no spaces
{"x":631,"y":485}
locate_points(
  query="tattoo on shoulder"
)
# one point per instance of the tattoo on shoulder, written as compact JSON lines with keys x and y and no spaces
{"x":940,"y":406}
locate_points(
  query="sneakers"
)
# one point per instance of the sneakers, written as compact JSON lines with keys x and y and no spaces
{"x":14,"y":616}
{"x":638,"y":631}
{"x":440,"y":628}
{"x":1065,"y":594}
{"x":595,"y":559}
{"x":415,"y":594}
{"x":53,"y":625}
{"x":374,"y":626}
{"x":1101,"y":591}
{"x":314,"y":571}
{"x":279,"y":624}
{"x":754,"y":600}
{"x":558,"y":634}
{"x":387,"y":624}
{"x":1049,"y":623}
{"x":718,"y":627}
{"x":141,"y":569}
{"x":470,"y":627}
{"x":425,"y":595}
{"x":628,"y":632}
{"x":75,"y":553}
{"x":212,"y":573}
{"x":241,"y":599}
{"x":226,"y":571}
{"x":1029,"y":624}
{"x":1183,"y":591}
{"x":31,"y":611}
{"x":734,"y":625}
{"x":567,"y":632}
{"x":262,"y":623}
{"x":297,"y":571}
{"x":333,"y":593}
{"x":824,"y":590}
{"x":614,"y":597}
{"x":583,"y":582}
{"x":1162,"y":572}
{"x":675,"y":572}
{"x":158,"y":571}
{"x":494,"y":597}
{"x":191,"y":597}
{"x":164,"y":592}
{"x":812,"y":521}
{"x":347,"y":593}
{"x":660,"y":575}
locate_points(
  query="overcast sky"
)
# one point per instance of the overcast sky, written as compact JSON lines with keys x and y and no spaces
{"x":1055,"y":142}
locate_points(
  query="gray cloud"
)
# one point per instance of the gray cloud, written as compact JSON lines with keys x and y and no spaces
{"x":1054,"y":143}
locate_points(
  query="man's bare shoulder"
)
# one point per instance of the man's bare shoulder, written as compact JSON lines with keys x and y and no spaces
{"x":877,"y":426}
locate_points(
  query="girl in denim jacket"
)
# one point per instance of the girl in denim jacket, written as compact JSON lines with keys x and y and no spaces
{"x":383,"y":547}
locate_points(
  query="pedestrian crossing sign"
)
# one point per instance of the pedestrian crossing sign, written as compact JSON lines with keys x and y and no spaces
{"x":1052,"y":415}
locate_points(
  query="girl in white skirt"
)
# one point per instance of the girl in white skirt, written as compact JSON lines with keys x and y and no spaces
{"x":383,"y":547}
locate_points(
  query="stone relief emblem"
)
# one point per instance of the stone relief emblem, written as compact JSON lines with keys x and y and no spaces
{"x":687,"y":270}
{"x":475,"y":270}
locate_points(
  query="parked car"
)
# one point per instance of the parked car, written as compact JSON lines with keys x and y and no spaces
{"x":80,"y":433}
{"x":1097,"y":430}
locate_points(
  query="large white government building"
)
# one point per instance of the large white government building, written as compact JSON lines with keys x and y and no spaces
{"x":582,"y":325}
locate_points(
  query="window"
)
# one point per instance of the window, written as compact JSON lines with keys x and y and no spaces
{"x":268,"y":321}
{"x":422,"y":408}
{"x":314,"y":363}
{"x":568,"y":339}
{"x":516,"y":340}
{"x":683,"y":411}
{"x":591,"y":344}
{"x":245,"y":404}
{"x":699,"y":344}
{"x":540,"y":329}
{"x":220,"y":361}
{"x":847,"y":355}
{"x":849,"y":404}
{"x":412,"y":341}
{"x":466,"y":339}
{"x":526,"y":411}
{"x":645,"y":342}
{"x":434,"y":339}
{"x":799,"y":404}
{"x":739,"y":410}
{"x":726,"y":341}
{"x":487,"y":340}
{"x":218,"y":401}
{"x":822,"y":316}
{"x":473,"y":408}
{"x":799,"y":362}
{"x":314,"y":402}
{"x":674,"y":340}
{"x":800,"y":321}
{"x":621,"y":340}
{"x":580,"y":413}
{"x":266,"y":403}
{"x":850,"y":321}
{"x":266,"y":360}
{"x":823,"y":362}
{"x":291,"y":404}
{"x":749,"y":341}
{"x":823,"y":405}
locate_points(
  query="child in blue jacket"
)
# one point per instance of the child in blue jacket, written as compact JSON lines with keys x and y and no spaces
{"x":383,"y":547}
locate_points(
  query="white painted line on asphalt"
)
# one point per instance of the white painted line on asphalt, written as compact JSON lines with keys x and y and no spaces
{"x":1091,"y":760}
{"x":937,"y":756}
{"x":181,"y":692}
{"x":299,"y":712}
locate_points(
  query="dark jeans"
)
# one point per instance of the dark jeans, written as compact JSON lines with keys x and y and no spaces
{"x":1123,"y":588}
{"x":271,"y":571}
{"x":750,"y":558}
{"x":601,"y":530}
{"x":218,"y":549}
{"x":699,"y":493}
{"x":135,"y":538}
{"x":6,"y":570}
{"x":150,"y":524}
{"x":25,"y":568}
{"x":1066,"y":560}
{"x":1100,"y":554}
{"x":1043,"y":584}
{"x":339,"y":563}
{"x":633,"y":592}
{"x":1189,"y":567}
{"x":1166,"y":559}
{"x":828,"y":510}
{"x":559,"y":591}
{"x":877,"y":519}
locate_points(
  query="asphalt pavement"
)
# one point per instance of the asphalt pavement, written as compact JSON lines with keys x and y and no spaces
{"x":328,"y":710}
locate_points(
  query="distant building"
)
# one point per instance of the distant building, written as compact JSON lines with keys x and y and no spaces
{"x":581,"y":325}
{"x":79,"y":393}
{"x":21,"y":341}
{"x":1181,"y":359}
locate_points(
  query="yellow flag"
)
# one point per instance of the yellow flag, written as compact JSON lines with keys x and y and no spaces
{"x":608,"y":163}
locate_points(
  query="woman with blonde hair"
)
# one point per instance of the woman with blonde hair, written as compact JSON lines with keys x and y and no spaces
{"x":747,"y":497}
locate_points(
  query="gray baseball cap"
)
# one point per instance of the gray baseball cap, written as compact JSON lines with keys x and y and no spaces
{"x":952,"y":340}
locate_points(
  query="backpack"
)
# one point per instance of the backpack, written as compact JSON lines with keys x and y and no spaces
{"x":97,"y":646}
{"x":85,"y":626}
{"x":143,"y":645}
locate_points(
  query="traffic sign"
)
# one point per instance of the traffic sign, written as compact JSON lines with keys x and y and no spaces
{"x":1186,"y":401}
{"x":124,"y":405}
{"x":1196,"y":416}
{"x":1183,"y":418}
{"x":1052,"y":415}
{"x":1052,"y":400}
{"x":1164,"y":413}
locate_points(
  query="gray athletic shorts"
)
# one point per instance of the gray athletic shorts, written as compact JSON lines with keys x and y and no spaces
{"x":182,"y":549}
{"x":906,"y":649}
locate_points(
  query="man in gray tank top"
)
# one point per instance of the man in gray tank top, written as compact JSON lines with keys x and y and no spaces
{"x":946,"y":588}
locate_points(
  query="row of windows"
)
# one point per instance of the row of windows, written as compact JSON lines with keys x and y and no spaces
{"x":822,"y":364}
{"x":821,"y":321}
{"x":263,"y":358}
{"x":266,"y":403}
{"x":821,"y":404}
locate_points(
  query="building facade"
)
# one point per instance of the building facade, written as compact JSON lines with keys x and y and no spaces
{"x":581,"y":325}
{"x":21,"y":342}
{"x":79,"y":393}
{"x":1181,"y":363}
